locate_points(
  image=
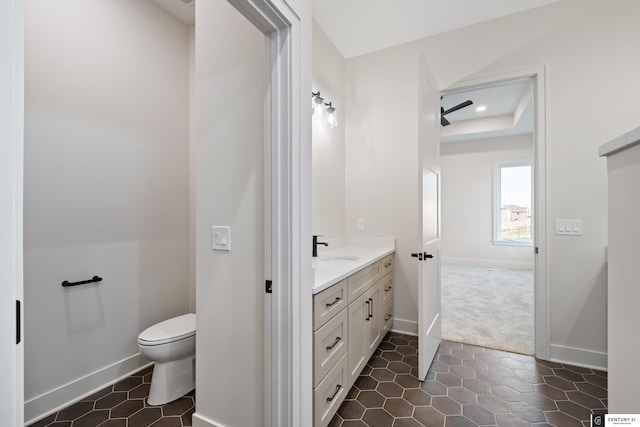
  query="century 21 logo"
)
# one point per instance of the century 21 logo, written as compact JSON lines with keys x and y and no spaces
{"x":597,"y":420}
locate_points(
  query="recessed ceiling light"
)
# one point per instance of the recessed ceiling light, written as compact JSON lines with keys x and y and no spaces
{"x":481,"y":108}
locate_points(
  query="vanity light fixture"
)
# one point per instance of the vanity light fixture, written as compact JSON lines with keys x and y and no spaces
{"x":318,"y":111}
{"x":325,"y":112}
{"x":332,"y":118}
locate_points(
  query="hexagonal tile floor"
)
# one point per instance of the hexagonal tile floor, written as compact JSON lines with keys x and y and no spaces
{"x":124,"y":405}
{"x":469,"y":386}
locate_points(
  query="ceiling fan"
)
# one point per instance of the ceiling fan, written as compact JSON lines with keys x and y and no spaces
{"x":445,"y":122}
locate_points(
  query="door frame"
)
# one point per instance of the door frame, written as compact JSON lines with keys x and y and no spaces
{"x":288,"y":321}
{"x":11,"y":172}
{"x":542,"y":319}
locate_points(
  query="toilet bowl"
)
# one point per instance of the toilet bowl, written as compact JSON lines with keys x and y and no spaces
{"x":171,"y":344}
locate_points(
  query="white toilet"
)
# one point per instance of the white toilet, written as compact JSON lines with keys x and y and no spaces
{"x":171,"y":344}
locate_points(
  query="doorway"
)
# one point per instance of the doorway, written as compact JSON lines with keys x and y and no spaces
{"x":288,"y":50}
{"x":492,"y":213}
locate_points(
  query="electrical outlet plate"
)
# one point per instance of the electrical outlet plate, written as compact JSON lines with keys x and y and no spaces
{"x":221,"y":238}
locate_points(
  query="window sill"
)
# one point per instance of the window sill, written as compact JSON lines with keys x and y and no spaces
{"x":521,"y":242}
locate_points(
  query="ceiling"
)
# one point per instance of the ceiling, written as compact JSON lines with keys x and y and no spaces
{"x":509,"y":111}
{"x":357,"y":27}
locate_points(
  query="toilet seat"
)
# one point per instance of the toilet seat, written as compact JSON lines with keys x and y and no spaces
{"x":171,"y":330}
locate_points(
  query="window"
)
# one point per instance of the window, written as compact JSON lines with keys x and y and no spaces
{"x":512,"y":207}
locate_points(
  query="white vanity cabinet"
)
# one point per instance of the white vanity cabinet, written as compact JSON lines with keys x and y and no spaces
{"x":350,"y":320}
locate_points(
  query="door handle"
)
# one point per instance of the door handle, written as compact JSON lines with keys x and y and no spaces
{"x":368,"y":310}
{"x":371,"y":308}
{"x":421,"y":255}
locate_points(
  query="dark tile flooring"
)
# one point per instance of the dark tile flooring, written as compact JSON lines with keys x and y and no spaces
{"x":124,"y":404}
{"x":466,"y":386}
{"x":469,"y":386}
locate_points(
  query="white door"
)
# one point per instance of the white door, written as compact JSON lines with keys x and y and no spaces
{"x":429,"y":324}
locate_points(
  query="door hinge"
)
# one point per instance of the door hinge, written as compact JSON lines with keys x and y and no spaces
{"x":18,"y":319}
{"x":536,"y":249}
{"x":268,"y":287}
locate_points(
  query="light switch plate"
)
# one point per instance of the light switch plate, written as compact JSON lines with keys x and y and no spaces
{"x":569,"y":227}
{"x":221,"y":238}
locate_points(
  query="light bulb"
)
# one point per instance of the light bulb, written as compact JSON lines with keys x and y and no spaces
{"x":318,"y":108}
{"x":332,"y":118}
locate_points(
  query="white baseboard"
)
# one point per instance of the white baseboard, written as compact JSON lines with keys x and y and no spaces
{"x":489,"y":263}
{"x":200,"y":421}
{"x":65,"y":395}
{"x":579,"y":357}
{"x":402,"y":326}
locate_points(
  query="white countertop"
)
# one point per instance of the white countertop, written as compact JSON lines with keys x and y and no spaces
{"x":621,"y":143}
{"x":367,"y":251}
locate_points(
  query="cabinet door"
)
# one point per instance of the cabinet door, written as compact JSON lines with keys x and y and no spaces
{"x":358,"y":311}
{"x":372,"y":321}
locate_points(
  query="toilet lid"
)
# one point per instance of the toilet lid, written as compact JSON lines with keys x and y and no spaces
{"x":173,"y":329}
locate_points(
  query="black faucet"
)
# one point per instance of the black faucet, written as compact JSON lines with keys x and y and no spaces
{"x":315,"y":245}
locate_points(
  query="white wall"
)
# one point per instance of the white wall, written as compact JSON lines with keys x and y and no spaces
{"x":106,"y":188}
{"x":588,"y":48}
{"x":467,"y":205}
{"x":328,"y":77}
{"x":230,"y":191}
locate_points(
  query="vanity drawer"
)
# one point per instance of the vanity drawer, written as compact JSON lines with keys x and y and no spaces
{"x":386,"y":289}
{"x":329,"y":344}
{"x":386,"y":264}
{"x":363,"y":279}
{"x":386,"y":317}
{"x":328,"y":303}
{"x":328,"y":396}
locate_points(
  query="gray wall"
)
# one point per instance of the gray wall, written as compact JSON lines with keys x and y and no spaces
{"x":468,"y":181}
{"x":229,"y":139}
{"x":328,"y":77}
{"x":106,"y":186}
{"x":588,"y":49}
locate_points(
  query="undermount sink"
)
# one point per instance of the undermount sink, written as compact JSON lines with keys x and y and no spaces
{"x":338,"y":258}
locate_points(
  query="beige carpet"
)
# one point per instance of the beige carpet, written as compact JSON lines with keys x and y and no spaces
{"x":489,"y":307}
